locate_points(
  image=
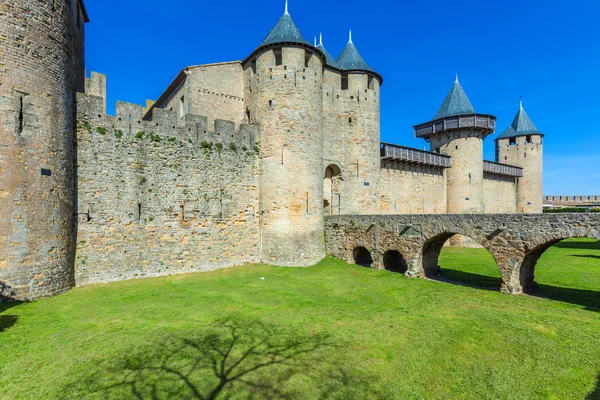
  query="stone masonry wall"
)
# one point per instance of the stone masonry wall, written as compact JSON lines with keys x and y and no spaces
{"x":412,"y":189}
{"x":162,"y":197}
{"x":499,"y":194}
{"x":41,"y":67}
{"x":213,"y":90}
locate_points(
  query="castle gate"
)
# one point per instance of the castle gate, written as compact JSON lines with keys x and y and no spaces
{"x":516,"y":241}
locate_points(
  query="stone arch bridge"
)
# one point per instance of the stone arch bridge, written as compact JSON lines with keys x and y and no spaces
{"x":516,"y":241}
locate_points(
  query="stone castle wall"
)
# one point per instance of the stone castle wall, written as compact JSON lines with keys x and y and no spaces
{"x":162,"y":196}
{"x":412,"y":189}
{"x":351,"y":127}
{"x":285,"y":101}
{"x":499,"y":194}
{"x":41,"y":52}
{"x":214,"y":90}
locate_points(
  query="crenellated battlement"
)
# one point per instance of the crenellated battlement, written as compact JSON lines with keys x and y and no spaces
{"x":164,"y":124}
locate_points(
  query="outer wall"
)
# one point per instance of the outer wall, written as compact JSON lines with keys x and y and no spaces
{"x":42,"y":53}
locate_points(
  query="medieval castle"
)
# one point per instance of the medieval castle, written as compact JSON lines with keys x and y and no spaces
{"x":237,"y":162}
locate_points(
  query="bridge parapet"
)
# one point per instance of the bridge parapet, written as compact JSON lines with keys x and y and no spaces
{"x":516,"y":241}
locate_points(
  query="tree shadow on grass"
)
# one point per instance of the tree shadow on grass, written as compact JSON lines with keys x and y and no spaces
{"x":595,"y":394}
{"x":590,"y":299}
{"x":233,"y":358}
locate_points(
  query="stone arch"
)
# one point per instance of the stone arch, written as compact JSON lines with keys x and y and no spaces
{"x":532,"y":256}
{"x":362,"y":257}
{"x":432,"y":248}
{"x":394,"y":261}
{"x":331,"y":190}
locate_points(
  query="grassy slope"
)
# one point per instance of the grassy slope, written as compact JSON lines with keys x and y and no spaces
{"x":350,"y":332}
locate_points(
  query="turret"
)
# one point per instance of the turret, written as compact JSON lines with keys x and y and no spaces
{"x":521,"y":145}
{"x":284,"y":98}
{"x":458,"y":131}
{"x":43,"y":68}
{"x":352,"y":131}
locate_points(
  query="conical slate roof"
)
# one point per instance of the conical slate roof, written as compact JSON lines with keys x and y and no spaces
{"x":521,"y":126}
{"x":330,"y":60}
{"x":455,"y":103}
{"x":284,"y":31}
{"x":351,"y":60}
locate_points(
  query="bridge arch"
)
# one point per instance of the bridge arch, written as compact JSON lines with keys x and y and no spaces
{"x":536,"y":250}
{"x":362,"y":256}
{"x":394,"y":261}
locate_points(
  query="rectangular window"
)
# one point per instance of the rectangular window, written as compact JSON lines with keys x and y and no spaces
{"x":371,"y":83}
{"x":278,"y":57}
{"x":512,"y":141}
{"x":527,"y":139}
{"x":344,"y":82}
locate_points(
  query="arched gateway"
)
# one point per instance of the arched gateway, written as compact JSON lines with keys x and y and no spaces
{"x":516,"y":241}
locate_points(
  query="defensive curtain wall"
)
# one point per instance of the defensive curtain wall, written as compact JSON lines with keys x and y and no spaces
{"x":164,"y":196}
{"x":412,"y":243}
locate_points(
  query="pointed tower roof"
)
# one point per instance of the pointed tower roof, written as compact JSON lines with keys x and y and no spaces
{"x":285,"y":31}
{"x":455,"y":103}
{"x":521,"y":126}
{"x":330,"y":60}
{"x":351,"y":60}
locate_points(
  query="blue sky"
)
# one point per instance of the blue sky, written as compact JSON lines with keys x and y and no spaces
{"x":546,"y":51}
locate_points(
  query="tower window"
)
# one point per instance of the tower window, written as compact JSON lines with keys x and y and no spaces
{"x":344,"y":82}
{"x":350,"y":120}
{"x":278,"y":57}
{"x":371,"y":84}
{"x":512,"y":141}
{"x":181,"y":107}
{"x":527,"y":139}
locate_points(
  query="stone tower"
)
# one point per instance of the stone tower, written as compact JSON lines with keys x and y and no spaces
{"x":284,"y":98}
{"x":43,"y":68}
{"x":521,"y":145}
{"x":458,"y":131}
{"x":358,"y":128}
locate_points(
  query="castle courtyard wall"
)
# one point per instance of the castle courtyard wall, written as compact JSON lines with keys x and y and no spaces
{"x":156,"y":200}
{"x":499,"y":194}
{"x":411,"y":189}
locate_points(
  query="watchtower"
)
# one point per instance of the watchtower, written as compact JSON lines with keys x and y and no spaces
{"x":458,"y":131}
{"x":521,"y":144}
{"x":43,"y":68}
{"x":284,"y":98}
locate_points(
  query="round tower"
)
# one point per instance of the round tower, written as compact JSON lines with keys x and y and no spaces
{"x":358,"y":129}
{"x":43,"y":68}
{"x":285,"y":100}
{"x":458,"y":131}
{"x":521,"y":145}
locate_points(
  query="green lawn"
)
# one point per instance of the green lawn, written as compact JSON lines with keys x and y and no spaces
{"x":331,"y":331}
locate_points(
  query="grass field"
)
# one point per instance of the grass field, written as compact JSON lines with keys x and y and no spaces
{"x":331,"y":331}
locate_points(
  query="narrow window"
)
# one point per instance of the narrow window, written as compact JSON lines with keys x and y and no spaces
{"x":139,"y":211}
{"x":371,"y":83}
{"x":278,"y":57}
{"x":512,"y":141}
{"x":344,"y":82}
{"x":528,"y":139}
{"x":20,"y":129}
{"x":307,"y":57}
{"x":182,"y":107}
{"x":350,"y":120}
{"x":248,"y":114}
{"x":183,"y":213}
{"x":525,"y":155}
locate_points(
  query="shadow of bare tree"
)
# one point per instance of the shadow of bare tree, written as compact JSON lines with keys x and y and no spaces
{"x":595,"y":394}
{"x":586,"y":256}
{"x":233,"y":358}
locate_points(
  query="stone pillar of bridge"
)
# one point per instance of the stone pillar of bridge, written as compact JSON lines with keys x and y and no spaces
{"x":458,"y":131}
